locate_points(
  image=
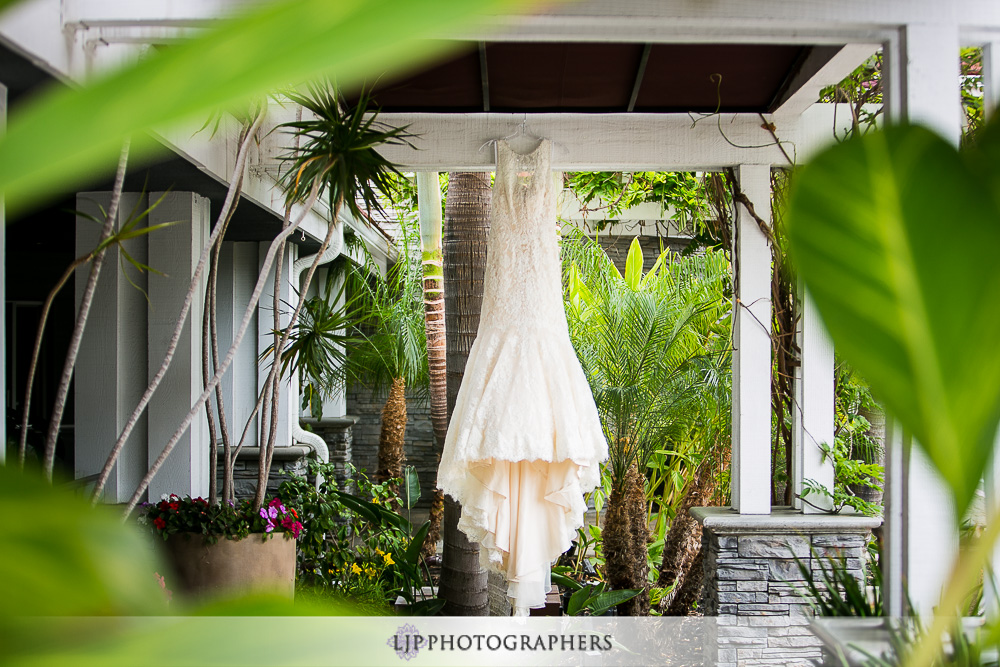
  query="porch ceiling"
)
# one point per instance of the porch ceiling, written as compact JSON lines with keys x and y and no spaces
{"x":603,"y":77}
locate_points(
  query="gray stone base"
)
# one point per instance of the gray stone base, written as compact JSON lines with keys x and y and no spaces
{"x":752,"y":576}
{"x":286,"y":462}
{"x":339,"y":436}
{"x":292,"y":461}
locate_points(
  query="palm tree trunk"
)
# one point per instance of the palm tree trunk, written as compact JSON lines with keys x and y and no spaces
{"x":429,"y":194}
{"x":625,"y":536}
{"x":682,"y":544}
{"x":392,"y":439}
{"x":463,"y":583}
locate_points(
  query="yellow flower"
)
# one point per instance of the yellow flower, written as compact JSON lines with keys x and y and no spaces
{"x":388,"y":559}
{"x":355,"y":569}
{"x":380,"y":552}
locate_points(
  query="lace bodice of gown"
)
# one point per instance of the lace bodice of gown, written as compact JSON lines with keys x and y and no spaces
{"x":524,"y":441}
{"x":522,"y":286}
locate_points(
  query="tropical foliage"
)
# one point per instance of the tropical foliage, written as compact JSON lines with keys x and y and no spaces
{"x":655,"y":349}
{"x":357,"y":547}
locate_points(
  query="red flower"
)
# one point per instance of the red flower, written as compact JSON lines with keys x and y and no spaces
{"x":159,"y":523}
{"x":174,"y":506}
{"x":294,"y":513}
{"x":162,"y":504}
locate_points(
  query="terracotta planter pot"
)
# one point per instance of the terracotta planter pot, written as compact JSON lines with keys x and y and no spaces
{"x":229,"y":567}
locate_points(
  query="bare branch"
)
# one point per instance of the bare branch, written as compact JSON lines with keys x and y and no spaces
{"x":181,"y":318}
{"x":81,"y":318}
{"x":224,"y":366}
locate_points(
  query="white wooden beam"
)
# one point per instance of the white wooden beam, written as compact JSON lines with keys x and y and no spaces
{"x":110,"y":372}
{"x":812,"y":78}
{"x":812,"y":417}
{"x":602,"y":142}
{"x":751,"y":466}
{"x":151,"y":12}
{"x":175,"y":250}
{"x":730,"y":21}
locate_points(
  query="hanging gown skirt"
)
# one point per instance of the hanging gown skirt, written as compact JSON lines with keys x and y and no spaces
{"x":524,"y":442}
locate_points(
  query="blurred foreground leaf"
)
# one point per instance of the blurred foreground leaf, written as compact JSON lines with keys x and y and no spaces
{"x":895,"y":234}
{"x":78,"y":587}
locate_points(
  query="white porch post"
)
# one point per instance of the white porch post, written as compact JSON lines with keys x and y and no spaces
{"x":288,"y":410}
{"x":812,"y":419}
{"x":175,"y":251}
{"x":110,"y":374}
{"x":751,"y":465}
{"x":991,"y":100}
{"x":237,"y":275}
{"x":923,"y":87}
{"x":3,"y":290}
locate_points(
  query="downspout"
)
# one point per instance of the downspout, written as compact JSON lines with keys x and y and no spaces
{"x":300,"y":266}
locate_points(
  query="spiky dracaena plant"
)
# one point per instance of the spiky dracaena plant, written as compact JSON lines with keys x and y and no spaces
{"x":335,"y":154}
{"x":649,"y":346}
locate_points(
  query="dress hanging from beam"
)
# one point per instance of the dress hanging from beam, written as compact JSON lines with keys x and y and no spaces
{"x":525,"y":441}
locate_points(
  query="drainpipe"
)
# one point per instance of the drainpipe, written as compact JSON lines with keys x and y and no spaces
{"x":302,"y":265}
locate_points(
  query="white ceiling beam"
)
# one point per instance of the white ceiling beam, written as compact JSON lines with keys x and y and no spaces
{"x":608,"y":142}
{"x":94,"y":13}
{"x":732,"y":21}
{"x":811,"y":79}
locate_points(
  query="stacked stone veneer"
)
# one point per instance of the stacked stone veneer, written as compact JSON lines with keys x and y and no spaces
{"x":293,"y":461}
{"x":286,"y":462}
{"x":366,"y":407}
{"x":338,"y":433}
{"x":753,"y":583}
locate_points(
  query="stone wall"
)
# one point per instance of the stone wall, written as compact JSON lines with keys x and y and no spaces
{"x":617,"y":248}
{"x":757,"y":575}
{"x":366,"y":408}
{"x":338,"y":433}
{"x":752,"y":579}
{"x":286,"y":462}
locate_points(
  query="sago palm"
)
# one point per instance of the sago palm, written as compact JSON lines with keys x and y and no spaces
{"x":391,"y":352}
{"x":650,"y":346}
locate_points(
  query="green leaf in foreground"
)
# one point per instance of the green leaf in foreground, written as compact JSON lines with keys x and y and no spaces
{"x":895,"y":234}
{"x":57,"y":140}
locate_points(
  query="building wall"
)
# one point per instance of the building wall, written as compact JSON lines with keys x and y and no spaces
{"x":367,"y":408}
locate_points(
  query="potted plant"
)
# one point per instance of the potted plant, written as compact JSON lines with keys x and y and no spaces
{"x":228,"y":547}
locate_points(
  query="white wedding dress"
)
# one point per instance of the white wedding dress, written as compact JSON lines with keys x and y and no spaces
{"x":524,"y":442}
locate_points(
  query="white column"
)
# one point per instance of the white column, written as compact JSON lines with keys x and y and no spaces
{"x":110,"y":374}
{"x":751,"y":465}
{"x":237,"y":276}
{"x":288,"y":410}
{"x":921,"y":536}
{"x":3,"y":287}
{"x":991,"y":100}
{"x":812,"y":419}
{"x":174,"y":251}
